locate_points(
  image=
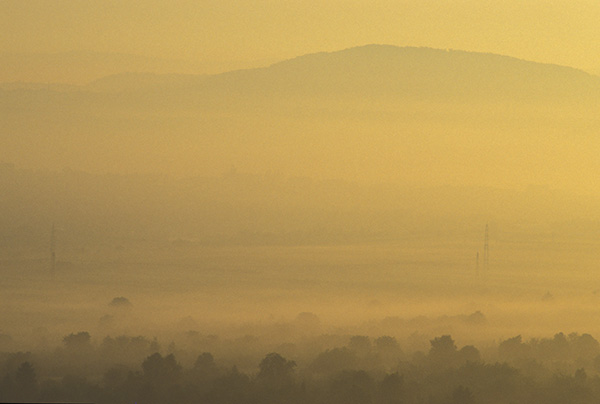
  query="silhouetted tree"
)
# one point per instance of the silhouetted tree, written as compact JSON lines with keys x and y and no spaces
{"x":202,"y":376}
{"x":161,"y":370}
{"x":462,"y":395}
{"x":352,"y":387}
{"x":513,"y":349}
{"x":81,"y":340}
{"x":126,"y":349}
{"x":161,"y":376}
{"x":360,"y":344}
{"x":334,"y":361}
{"x":276,"y":369}
{"x":231,"y":388}
{"x":390,"y":390}
{"x":443,"y":351}
{"x":388,"y":350}
{"x":584,"y":346}
{"x":308,"y":322}
{"x":387,"y":343}
{"x":468,"y":353}
{"x":121,"y":302}
{"x":275,"y":379}
{"x":115,"y":377}
{"x":51,"y":391}
{"x":26,"y":382}
{"x":205,"y":363}
{"x":77,"y":389}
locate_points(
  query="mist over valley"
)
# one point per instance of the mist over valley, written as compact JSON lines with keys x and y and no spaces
{"x":379,"y":224}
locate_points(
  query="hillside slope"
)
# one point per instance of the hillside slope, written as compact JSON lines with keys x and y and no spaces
{"x":373,"y":113}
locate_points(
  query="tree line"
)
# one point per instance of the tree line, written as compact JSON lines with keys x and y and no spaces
{"x":564,"y":368}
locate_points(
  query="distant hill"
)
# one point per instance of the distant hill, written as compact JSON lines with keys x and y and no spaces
{"x":22,"y":85}
{"x":387,"y":71}
{"x":371,"y":113}
{"x":143,"y":82}
{"x":366,"y":71}
{"x":83,"y":67}
{"x":595,"y":72}
{"x":418,"y":72}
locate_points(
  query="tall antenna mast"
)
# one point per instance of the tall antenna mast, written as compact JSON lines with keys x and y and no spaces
{"x":52,"y":252}
{"x":477,"y":264}
{"x":486,"y":249}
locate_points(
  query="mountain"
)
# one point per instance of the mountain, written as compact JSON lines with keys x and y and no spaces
{"x":367,"y":71}
{"x":373,"y":113}
{"x":127,"y":82}
{"x":82,"y":67}
{"x":424,"y":72}
{"x":595,"y":72}
{"x":390,"y":71}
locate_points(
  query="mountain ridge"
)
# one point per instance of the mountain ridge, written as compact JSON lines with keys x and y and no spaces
{"x":377,"y":70}
{"x":383,"y":70}
{"x":370,"y":113}
{"x":370,"y":47}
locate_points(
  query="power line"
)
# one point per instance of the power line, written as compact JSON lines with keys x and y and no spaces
{"x":52,"y":252}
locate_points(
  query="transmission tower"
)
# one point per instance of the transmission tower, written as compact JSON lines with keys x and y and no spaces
{"x":486,"y":249}
{"x":52,"y":252}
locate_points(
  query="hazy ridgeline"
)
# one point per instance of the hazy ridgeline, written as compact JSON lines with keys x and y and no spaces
{"x":329,"y":209}
{"x":372,"y":114}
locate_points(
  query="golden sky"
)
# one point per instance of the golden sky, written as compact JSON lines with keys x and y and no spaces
{"x":218,"y":32}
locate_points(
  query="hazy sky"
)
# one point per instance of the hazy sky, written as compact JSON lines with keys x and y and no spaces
{"x":217,"y":32}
